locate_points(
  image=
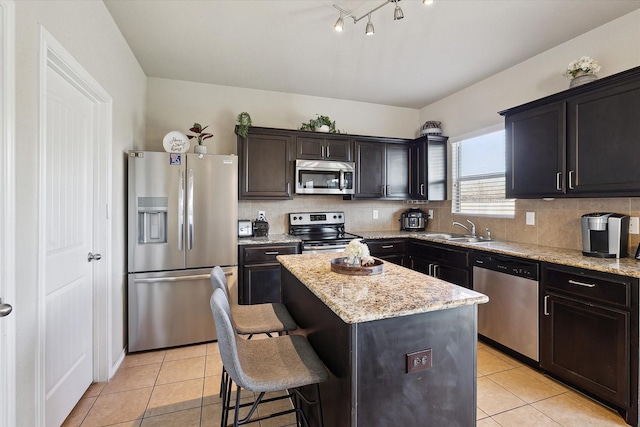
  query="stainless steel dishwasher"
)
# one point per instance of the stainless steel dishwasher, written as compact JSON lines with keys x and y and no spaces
{"x":510,"y":317}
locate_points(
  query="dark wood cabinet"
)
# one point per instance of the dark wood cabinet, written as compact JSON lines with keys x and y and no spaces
{"x":579,"y":143}
{"x":265,"y":165}
{"x":442,"y":261}
{"x":589,"y":333}
{"x":323,"y":148}
{"x":603,"y":136}
{"x":259,"y":272}
{"x":382,"y":170}
{"x":535,"y":152}
{"x":392,"y":250}
{"x":428,"y":163}
{"x":386,"y":168}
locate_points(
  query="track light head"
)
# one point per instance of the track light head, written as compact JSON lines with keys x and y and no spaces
{"x":397,"y":14}
{"x":339,"y":25}
{"x":427,"y":2}
{"x":369,"y":28}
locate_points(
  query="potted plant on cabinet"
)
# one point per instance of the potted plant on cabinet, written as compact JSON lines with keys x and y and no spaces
{"x":200,"y":136}
{"x":320,"y":124}
{"x":244,"y":122}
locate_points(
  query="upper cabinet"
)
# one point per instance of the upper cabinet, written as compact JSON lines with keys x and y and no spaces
{"x":428,"y":165}
{"x":583,"y":142}
{"x":323,"y":148}
{"x":386,"y":168}
{"x":382,"y":170}
{"x":265,"y":164}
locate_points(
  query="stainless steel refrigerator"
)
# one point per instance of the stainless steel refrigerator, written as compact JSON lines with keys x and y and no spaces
{"x":183,"y":214}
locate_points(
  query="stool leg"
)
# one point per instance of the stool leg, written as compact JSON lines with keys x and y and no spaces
{"x":223,"y":382}
{"x":226,"y":401}
{"x":237,"y":410}
{"x":320,"y":405}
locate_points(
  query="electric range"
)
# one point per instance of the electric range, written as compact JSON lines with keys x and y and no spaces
{"x":320,"y":231}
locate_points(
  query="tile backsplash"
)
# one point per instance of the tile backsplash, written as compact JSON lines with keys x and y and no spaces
{"x":557,"y":221}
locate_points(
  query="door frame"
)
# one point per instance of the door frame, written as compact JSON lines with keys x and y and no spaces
{"x":7,"y":212}
{"x":54,"y":57}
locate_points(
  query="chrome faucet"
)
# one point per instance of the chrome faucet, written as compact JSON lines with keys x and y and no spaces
{"x":472,"y":230}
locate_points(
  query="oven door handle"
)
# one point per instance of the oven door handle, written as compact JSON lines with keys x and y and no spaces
{"x":319,"y":248}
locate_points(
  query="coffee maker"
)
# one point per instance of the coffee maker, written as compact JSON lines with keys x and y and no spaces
{"x":605,"y":235}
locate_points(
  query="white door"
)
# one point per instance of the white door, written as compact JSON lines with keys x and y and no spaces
{"x":7,"y":210}
{"x":67,"y":240}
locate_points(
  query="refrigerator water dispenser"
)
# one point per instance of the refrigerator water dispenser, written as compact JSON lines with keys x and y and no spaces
{"x":152,"y":220}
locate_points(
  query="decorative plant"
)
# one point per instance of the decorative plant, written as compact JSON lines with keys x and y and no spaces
{"x":358,"y":253}
{"x":316,"y":123}
{"x":200,"y":134}
{"x":584,"y":65}
{"x":244,"y":121}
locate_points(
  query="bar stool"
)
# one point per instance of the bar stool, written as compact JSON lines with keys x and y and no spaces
{"x":262,"y":366}
{"x":254,"y":319}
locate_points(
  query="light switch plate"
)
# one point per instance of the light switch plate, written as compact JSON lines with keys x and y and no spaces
{"x":634,"y":225}
{"x":375,"y":214}
{"x":531,"y":218}
{"x":430,"y":214}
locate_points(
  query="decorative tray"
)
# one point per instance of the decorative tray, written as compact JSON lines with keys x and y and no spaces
{"x":339,"y":265}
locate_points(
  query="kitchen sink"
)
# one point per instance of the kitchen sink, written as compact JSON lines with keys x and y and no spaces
{"x":451,"y":237}
{"x":469,"y":239}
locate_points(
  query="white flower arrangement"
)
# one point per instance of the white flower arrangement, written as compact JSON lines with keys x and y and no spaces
{"x":356,"y":250}
{"x":584,"y":65}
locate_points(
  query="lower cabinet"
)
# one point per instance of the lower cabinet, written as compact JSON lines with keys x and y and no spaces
{"x":442,"y":261}
{"x":589,"y":333}
{"x":259,"y":272}
{"x":392,"y":250}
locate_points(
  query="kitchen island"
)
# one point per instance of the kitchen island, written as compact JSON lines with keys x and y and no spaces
{"x":400,"y":346}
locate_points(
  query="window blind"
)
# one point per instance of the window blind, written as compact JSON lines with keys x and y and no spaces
{"x":478,"y":177}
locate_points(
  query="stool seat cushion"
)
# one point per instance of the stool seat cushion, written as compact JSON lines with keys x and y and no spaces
{"x":279,"y":363}
{"x":261,"y":318}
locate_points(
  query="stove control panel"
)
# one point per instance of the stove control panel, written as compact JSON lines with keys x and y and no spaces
{"x":316,"y":218}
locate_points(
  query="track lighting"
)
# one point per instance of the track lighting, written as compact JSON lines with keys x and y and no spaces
{"x":369,"y":29}
{"x":397,"y":15}
{"x":339,"y":23}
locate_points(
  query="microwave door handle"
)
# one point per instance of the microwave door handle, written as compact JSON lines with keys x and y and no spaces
{"x":341,"y":180}
{"x":190,"y":210}
{"x":180,"y":209}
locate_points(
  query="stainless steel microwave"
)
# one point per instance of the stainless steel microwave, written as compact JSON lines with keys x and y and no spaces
{"x":324,"y":177}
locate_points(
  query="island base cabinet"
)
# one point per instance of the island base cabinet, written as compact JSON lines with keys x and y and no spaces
{"x":369,"y":384}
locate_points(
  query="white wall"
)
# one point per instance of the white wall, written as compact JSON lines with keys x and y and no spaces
{"x":615,"y":45}
{"x":176,"y":105}
{"x":87,"y":31}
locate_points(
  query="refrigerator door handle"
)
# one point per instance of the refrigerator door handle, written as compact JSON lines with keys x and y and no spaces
{"x":181,"y":210}
{"x":190,"y":210}
{"x":172,"y":279}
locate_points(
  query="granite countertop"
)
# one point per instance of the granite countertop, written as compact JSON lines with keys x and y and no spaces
{"x":271,"y":239}
{"x":625,"y":266}
{"x":396,"y":292}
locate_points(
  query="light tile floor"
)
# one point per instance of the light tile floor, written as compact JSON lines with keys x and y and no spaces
{"x":179,"y":387}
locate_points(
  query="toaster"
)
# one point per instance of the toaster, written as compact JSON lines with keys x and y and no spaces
{"x":245,"y":228}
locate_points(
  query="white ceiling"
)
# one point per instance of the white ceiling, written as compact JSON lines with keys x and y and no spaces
{"x":291,"y":46}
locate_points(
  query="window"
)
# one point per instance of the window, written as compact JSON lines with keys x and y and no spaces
{"x":478,"y":175}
